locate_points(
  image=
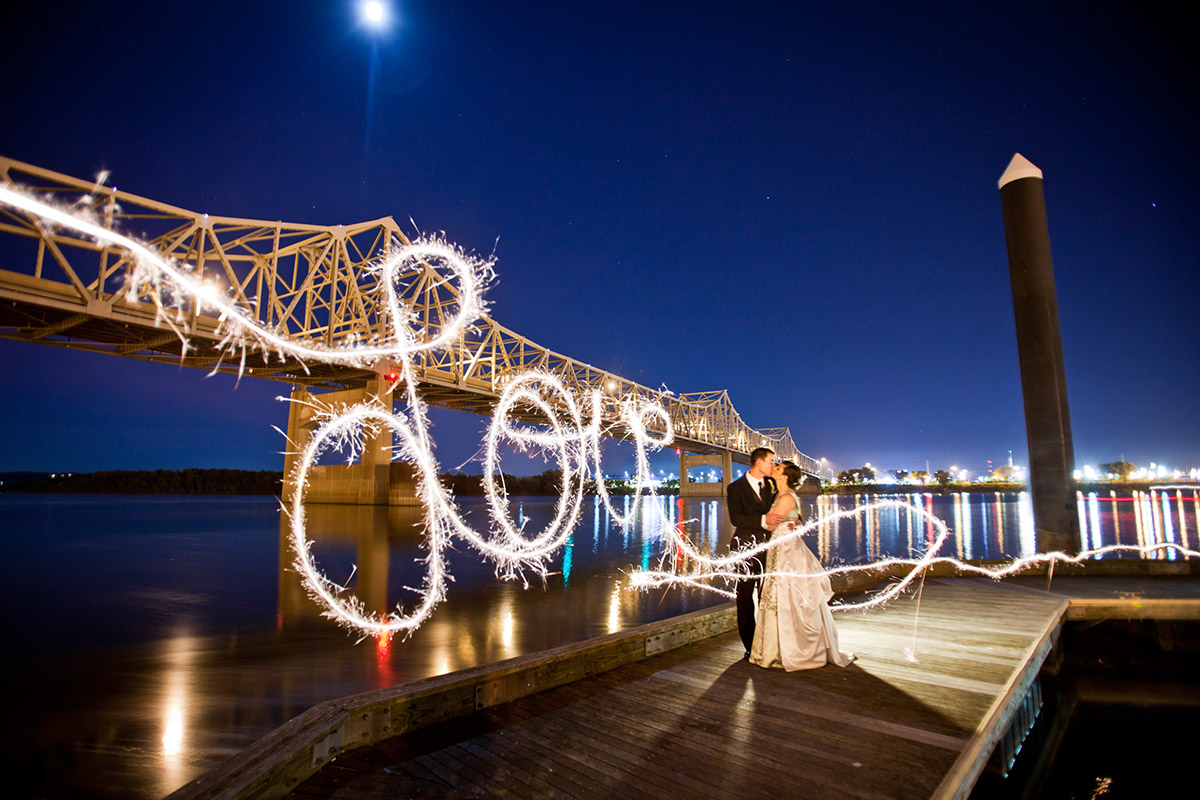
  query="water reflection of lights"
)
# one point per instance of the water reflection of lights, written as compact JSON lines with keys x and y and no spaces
{"x":173,"y":738}
{"x":911,"y":540}
{"x":1168,"y":523}
{"x":1081,"y":512}
{"x":1116,"y":517}
{"x":1159,"y":518}
{"x":506,"y":629}
{"x":596,"y":523}
{"x":568,"y":558}
{"x":958,"y":526}
{"x":967,"y":532}
{"x":1026,"y":528}
{"x":708,"y":571}
{"x":1094,"y":518}
{"x":614,"y":610}
{"x":175,"y":708}
{"x":1182,"y":519}
{"x":383,"y":644}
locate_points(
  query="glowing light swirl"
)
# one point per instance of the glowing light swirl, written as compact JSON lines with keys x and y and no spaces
{"x":643,"y":440}
{"x":739,"y":564}
{"x":576,"y":444}
{"x":169,"y":280}
{"x":172,"y":286}
{"x":341,"y":430}
{"x":528,"y":390}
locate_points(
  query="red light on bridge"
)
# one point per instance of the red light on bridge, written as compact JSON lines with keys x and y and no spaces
{"x":391,"y":377}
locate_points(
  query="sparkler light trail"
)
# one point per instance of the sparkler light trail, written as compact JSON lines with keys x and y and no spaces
{"x":572,"y":435}
{"x":173,"y":288}
{"x":739,"y":564}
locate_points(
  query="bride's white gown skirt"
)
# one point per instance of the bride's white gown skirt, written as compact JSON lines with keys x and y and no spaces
{"x":795,"y":629}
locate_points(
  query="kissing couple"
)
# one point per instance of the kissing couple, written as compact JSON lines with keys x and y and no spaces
{"x":793,"y":628}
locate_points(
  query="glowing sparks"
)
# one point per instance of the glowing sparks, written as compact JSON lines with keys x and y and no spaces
{"x":173,"y":288}
{"x":714,"y":574}
{"x":569,"y":429}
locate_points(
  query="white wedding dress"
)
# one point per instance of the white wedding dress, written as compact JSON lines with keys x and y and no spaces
{"x":794,"y":628}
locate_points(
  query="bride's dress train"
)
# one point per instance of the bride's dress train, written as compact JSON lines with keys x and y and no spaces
{"x":795,"y":627}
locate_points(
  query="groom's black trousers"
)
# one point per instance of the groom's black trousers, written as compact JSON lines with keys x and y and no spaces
{"x":746,"y":589}
{"x":746,"y":509}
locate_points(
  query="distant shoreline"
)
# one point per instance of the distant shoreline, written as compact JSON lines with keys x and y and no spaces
{"x":268,"y":482}
{"x":158,"y":481}
{"x":982,"y":488}
{"x":244,"y":482}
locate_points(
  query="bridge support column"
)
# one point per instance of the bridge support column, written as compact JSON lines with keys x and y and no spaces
{"x":375,"y":480}
{"x":368,"y":528}
{"x":687,"y":488}
{"x":299,"y":433}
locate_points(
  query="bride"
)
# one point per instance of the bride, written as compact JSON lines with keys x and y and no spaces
{"x":795,"y":628}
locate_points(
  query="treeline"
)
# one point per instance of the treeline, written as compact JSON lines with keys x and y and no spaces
{"x":159,"y":481}
{"x":241,"y":481}
{"x":548,"y":483}
{"x":993,"y":487}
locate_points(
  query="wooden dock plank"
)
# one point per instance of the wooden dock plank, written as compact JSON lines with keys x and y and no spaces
{"x":578,"y":731}
{"x":606,"y":725}
{"x":813,"y":708}
{"x":820,"y":754}
{"x":698,"y":724}
{"x":694,"y":719}
{"x":915,"y":717}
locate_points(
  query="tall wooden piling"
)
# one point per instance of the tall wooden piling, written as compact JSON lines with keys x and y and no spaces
{"x":1039,"y":345}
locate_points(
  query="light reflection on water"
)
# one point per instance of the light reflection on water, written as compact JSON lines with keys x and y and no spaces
{"x":994,"y":526}
{"x":154,"y":637}
{"x":983,"y":526}
{"x":1141,"y":519}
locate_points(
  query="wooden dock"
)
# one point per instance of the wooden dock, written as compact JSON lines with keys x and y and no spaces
{"x":935,"y":687}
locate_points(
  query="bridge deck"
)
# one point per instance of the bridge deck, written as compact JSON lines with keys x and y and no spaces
{"x":698,"y":721}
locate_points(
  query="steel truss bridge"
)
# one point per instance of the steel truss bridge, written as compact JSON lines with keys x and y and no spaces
{"x":310,"y":282}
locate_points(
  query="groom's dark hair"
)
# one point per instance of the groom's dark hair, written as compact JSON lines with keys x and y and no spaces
{"x":759,"y":454}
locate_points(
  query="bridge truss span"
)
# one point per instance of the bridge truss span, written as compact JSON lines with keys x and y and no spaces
{"x":304,"y":283}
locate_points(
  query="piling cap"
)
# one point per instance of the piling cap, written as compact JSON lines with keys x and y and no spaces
{"x":1020,"y":167}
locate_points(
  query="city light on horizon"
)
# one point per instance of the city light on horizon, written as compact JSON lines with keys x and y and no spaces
{"x":1007,"y":468}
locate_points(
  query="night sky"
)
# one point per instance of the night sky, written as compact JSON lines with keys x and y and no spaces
{"x":796,"y":203}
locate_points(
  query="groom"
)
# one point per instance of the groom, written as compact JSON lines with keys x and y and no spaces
{"x":748,"y":502}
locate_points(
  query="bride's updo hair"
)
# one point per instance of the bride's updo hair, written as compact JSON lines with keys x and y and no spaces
{"x":793,"y":474}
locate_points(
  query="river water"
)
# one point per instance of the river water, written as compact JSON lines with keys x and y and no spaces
{"x":152,"y":637}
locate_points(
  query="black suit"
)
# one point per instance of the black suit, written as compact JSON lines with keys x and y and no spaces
{"x":746,"y":509}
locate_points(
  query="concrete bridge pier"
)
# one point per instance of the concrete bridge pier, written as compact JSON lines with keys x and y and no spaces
{"x":375,"y":480}
{"x":687,"y":488}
